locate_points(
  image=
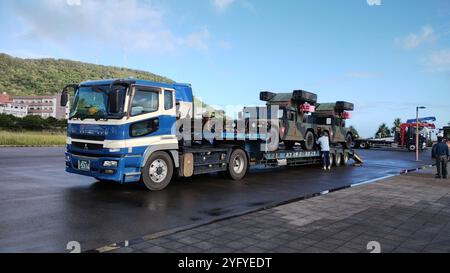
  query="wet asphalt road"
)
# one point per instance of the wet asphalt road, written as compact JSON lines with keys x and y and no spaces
{"x":42,"y":207}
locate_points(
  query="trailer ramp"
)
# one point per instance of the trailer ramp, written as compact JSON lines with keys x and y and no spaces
{"x":353,"y":155}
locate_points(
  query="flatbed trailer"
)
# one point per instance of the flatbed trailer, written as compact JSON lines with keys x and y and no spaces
{"x":211,"y":159}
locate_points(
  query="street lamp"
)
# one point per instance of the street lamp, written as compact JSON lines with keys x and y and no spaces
{"x":417,"y":130}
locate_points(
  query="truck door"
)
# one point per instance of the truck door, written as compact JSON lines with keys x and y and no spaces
{"x":290,"y":122}
{"x":152,"y":114}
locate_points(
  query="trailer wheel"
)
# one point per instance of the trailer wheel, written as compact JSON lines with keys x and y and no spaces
{"x":337,"y":159}
{"x":345,"y":159}
{"x":308,"y":143}
{"x":363,"y":145}
{"x":331,"y":159}
{"x":238,"y":164}
{"x":158,"y":171}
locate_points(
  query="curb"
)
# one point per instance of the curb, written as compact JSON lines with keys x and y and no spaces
{"x":156,"y":235}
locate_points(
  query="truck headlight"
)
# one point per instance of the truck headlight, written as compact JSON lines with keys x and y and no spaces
{"x":110,"y":163}
{"x":114,"y":150}
{"x":67,"y":158}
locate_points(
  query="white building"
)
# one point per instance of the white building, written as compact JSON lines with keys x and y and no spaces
{"x":44,"y":106}
{"x":15,"y":109}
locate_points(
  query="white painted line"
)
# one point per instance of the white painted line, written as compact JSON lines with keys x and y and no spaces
{"x":373,"y":180}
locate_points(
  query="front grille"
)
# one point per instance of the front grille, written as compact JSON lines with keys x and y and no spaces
{"x":87,"y":137}
{"x":87,"y":146}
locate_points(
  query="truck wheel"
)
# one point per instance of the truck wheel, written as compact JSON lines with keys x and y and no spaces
{"x":158,"y":171}
{"x":363,"y":145}
{"x":337,"y":160}
{"x":348,"y":141}
{"x":308,"y":143}
{"x":412,"y":147}
{"x":238,"y":164}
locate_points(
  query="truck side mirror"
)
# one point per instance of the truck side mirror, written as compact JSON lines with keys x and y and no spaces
{"x":65,"y":94}
{"x":114,"y":101}
{"x":64,"y":98}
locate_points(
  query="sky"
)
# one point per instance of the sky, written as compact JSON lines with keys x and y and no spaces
{"x":386,"y":56}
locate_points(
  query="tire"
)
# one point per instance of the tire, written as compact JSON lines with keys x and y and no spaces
{"x":363,"y":145}
{"x":289,"y":145}
{"x":309,"y":142}
{"x":238,"y":164}
{"x":331,"y":159}
{"x":412,"y":147}
{"x":348,"y":141}
{"x":158,"y":171}
{"x":345,"y":159}
{"x":273,"y":140}
{"x":337,"y":160}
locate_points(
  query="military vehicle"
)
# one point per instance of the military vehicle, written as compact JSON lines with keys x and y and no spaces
{"x":302,"y":119}
{"x":331,"y":117}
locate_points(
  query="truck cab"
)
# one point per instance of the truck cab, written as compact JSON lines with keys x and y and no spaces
{"x":115,"y":126}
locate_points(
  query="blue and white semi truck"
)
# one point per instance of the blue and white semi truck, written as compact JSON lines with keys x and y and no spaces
{"x":123,"y":130}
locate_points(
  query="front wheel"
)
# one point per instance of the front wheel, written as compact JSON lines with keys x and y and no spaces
{"x":308,"y":143}
{"x":158,"y":171}
{"x":238,"y":164}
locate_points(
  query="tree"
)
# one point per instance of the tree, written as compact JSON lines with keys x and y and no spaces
{"x":383,"y":131}
{"x":354,"y":132}
{"x":397,"y":123}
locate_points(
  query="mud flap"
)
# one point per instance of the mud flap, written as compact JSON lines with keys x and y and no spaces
{"x":188,"y":165}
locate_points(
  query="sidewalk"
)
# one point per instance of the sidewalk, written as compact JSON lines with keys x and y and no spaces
{"x":407,"y":213}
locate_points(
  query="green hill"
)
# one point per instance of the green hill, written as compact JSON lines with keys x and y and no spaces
{"x":48,"y":76}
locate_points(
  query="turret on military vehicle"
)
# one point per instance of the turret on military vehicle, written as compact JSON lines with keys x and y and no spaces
{"x":302,"y":119}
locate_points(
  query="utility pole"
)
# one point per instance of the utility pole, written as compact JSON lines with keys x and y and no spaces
{"x":417,"y":130}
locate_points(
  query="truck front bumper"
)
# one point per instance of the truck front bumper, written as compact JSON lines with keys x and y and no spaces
{"x":127,"y":170}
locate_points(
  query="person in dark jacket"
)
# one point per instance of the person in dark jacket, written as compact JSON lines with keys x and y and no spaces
{"x":441,"y":153}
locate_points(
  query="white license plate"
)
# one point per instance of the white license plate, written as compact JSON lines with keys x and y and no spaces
{"x":84,"y":165}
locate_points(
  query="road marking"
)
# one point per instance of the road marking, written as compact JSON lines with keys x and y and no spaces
{"x":373,"y":180}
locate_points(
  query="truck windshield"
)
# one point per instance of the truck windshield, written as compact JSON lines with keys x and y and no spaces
{"x":92,"y":102}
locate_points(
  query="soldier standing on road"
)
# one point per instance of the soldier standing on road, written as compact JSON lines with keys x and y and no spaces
{"x":441,"y":154}
{"x":324,"y":143}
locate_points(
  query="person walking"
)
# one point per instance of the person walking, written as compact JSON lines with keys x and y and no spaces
{"x":441,"y":153}
{"x":324,"y":143}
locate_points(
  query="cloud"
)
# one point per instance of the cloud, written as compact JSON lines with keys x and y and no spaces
{"x":438,"y":61}
{"x":414,"y":40}
{"x":129,"y":24}
{"x":374,"y":2}
{"x":222,"y":5}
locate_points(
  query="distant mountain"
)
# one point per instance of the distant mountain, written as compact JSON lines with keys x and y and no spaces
{"x":48,"y":76}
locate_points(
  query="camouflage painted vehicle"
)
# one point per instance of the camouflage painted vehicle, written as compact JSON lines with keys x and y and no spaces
{"x":302,"y":119}
{"x":331,"y":117}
